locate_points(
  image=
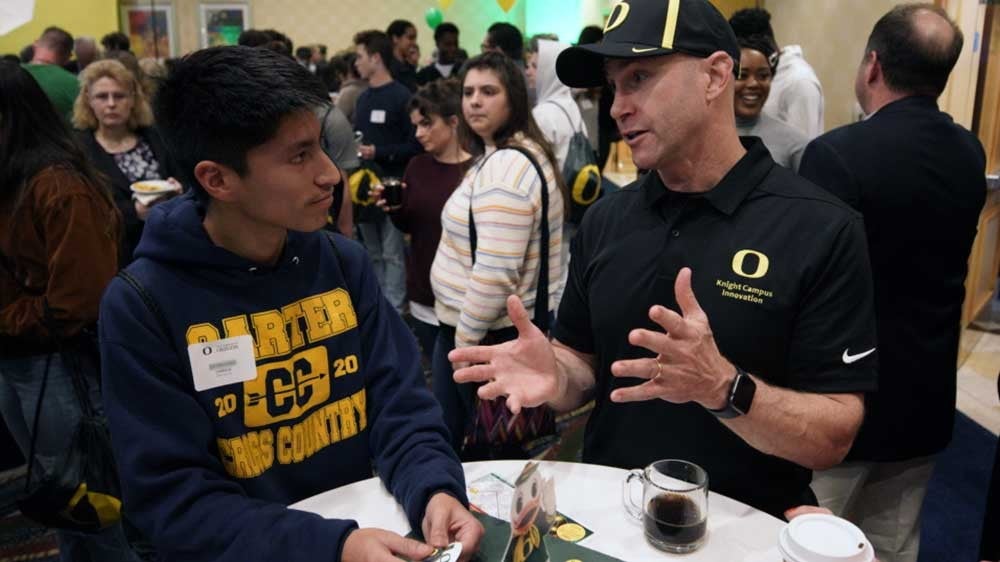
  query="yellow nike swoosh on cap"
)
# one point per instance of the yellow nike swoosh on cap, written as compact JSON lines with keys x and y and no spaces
{"x":644,"y":50}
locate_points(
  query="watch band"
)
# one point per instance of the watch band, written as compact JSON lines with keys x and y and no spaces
{"x":740,"y":397}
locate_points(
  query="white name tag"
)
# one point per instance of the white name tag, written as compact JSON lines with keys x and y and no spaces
{"x":222,"y":362}
{"x":378,"y":116}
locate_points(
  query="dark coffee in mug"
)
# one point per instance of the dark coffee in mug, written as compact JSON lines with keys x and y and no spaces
{"x":393,"y":192}
{"x":674,"y":519}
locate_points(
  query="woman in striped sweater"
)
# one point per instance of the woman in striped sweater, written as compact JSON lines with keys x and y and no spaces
{"x":492,"y":241}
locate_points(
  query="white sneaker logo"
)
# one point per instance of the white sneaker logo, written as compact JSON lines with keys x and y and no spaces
{"x":848,"y":358}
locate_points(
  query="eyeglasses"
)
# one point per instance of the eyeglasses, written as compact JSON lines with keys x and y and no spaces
{"x":105,"y":97}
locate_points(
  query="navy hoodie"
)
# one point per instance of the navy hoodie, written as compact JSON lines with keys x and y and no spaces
{"x":338,"y":394}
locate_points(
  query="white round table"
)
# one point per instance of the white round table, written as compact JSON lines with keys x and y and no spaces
{"x":590,"y":494}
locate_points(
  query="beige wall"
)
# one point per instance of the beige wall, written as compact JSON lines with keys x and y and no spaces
{"x":832,"y":34}
{"x":959,"y":97}
{"x":91,"y":18}
{"x":334,"y":22}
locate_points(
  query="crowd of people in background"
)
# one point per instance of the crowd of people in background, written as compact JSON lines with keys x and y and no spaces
{"x":447,"y":170}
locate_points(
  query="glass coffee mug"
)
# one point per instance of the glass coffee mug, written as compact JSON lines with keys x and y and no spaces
{"x":674,"y":510}
{"x":392,"y":191}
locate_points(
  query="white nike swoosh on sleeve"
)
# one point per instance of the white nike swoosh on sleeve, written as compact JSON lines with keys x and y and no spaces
{"x":848,"y":358}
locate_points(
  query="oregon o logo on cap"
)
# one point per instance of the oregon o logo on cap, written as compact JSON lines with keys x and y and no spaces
{"x":618,"y":14}
{"x":739,"y":261}
{"x":587,"y":185}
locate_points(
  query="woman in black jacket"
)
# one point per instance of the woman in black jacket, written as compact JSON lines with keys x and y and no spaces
{"x":115,"y":122}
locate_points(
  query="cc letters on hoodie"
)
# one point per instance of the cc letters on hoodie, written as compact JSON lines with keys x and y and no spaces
{"x":290,"y":408}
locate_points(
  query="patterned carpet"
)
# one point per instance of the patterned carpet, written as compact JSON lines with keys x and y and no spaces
{"x":22,"y":540}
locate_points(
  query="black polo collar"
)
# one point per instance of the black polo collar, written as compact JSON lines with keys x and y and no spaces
{"x":734,"y":187}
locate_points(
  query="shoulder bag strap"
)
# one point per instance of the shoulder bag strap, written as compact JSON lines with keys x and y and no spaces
{"x":150,"y":303}
{"x":566,"y":113}
{"x":542,"y":291}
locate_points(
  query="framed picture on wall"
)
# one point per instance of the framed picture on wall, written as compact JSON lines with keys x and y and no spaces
{"x":150,"y":30}
{"x":221,"y":24}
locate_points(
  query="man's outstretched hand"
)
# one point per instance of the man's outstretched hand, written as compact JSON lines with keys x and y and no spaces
{"x":524,"y":370}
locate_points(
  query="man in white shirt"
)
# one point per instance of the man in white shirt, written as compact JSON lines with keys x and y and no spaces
{"x":796,"y":94}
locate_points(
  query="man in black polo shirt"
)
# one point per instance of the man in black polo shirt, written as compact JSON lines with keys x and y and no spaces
{"x":918,"y":179}
{"x":716,"y":231}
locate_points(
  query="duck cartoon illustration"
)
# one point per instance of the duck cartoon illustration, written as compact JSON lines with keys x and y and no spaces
{"x":532,"y":510}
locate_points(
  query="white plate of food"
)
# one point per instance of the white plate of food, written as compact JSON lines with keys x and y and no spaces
{"x":150,"y":187}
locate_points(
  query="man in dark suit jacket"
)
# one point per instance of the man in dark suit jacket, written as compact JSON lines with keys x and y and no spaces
{"x":918,"y":179}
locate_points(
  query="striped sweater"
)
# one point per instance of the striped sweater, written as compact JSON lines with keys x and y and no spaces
{"x":505,"y":193}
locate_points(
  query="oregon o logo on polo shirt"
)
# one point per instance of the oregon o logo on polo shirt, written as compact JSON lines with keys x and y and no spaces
{"x":740,"y":264}
{"x":618,"y":14}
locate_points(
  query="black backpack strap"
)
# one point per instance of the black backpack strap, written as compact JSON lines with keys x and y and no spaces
{"x":323,"y":141}
{"x":340,"y":264}
{"x":542,"y":291}
{"x":566,"y":113}
{"x":149,"y":301}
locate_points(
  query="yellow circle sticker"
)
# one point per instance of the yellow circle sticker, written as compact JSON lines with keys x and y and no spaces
{"x":570,"y":532}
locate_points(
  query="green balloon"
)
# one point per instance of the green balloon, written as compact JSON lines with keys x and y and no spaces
{"x":434,"y":17}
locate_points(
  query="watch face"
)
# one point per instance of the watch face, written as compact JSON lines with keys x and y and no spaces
{"x":743,"y":393}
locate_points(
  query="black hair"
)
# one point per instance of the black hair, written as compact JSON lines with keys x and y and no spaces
{"x":752,"y":21}
{"x":352,"y":71}
{"x":508,"y":39}
{"x":27,"y":54}
{"x":520,"y":119}
{"x":253,"y":38}
{"x":11,"y":58}
{"x":303,"y":53}
{"x":590,"y":34}
{"x":911,"y":63}
{"x":269,"y":39}
{"x":376,"y":43}
{"x":116,"y":41}
{"x":440,"y":97}
{"x":762,"y":44}
{"x":398,"y":28}
{"x":219,"y":103}
{"x":331,"y":74}
{"x":59,"y":40}
{"x":33,"y":137}
{"x":442,"y":29}
{"x":279,"y":42}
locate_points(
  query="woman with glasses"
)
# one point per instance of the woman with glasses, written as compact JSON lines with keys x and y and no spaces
{"x":58,"y":246}
{"x":115,"y":122}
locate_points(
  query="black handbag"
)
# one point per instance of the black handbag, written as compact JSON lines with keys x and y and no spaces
{"x":82,"y":491}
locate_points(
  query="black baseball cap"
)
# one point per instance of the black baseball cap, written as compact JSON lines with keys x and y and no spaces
{"x":649,"y":28}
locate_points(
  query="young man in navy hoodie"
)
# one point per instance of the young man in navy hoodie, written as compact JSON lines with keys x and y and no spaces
{"x":250,"y":359}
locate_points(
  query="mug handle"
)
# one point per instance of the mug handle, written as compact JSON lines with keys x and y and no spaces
{"x":630,"y":506}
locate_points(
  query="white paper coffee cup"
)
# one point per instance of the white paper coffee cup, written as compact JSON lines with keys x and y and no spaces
{"x":818,"y":537}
